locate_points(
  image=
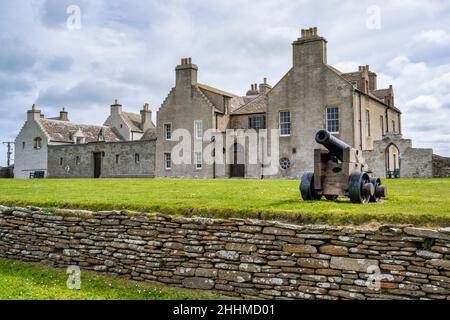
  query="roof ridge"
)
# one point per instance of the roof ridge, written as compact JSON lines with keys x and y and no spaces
{"x":73,"y":123}
{"x":215,"y":90}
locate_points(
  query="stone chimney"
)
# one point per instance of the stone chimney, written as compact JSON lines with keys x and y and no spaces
{"x":264,"y":87}
{"x":364,"y":82}
{"x":63,"y":115}
{"x":34,"y":114}
{"x":186,"y":73}
{"x":146,"y":118}
{"x":116,"y":108}
{"x":389,"y":99}
{"x":310,"y":49}
{"x":253,"y":90}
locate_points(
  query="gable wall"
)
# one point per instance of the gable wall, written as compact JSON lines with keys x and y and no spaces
{"x":28,"y":159}
{"x":183,"y":106}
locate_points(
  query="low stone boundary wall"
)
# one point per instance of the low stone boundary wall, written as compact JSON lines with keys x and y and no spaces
{"x":247,"y":258}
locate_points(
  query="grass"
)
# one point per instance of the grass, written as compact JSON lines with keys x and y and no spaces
{"x":423,"y":202}
{"x":30,"y":281}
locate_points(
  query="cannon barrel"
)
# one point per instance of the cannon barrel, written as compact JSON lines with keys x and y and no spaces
{"x":333,"y":144}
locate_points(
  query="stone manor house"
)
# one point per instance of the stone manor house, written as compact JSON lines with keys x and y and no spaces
{"x":311,"y":96}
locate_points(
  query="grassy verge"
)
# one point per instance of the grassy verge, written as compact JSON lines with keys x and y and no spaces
{"x":30,"y":281}
{"x":411,"y":201}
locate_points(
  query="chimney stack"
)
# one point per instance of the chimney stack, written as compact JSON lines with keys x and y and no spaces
{"x":253,"y":90}
{"x":264,"y":87}
{"x":34,"y":114}
{"x":146,"y":118}
{"x":186,"y":73}
{"x":310,"y":48}
{"x":116,"y":108}
{"x":63,"y":115}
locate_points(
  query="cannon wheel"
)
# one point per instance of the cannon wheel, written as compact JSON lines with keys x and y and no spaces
{"x":360,"y":188}
{"x":307,"y":188}
{"x":331,"y":198}
{"x":376,"y":196}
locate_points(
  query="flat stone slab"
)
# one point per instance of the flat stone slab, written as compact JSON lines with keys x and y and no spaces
{"x":350,"y":264}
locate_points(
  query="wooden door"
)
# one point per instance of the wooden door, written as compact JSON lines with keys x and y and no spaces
{"x":237,"y":169}
{"x":97,"y":165}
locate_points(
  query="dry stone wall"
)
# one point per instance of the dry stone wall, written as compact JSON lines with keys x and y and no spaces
{"x":235,"y":257}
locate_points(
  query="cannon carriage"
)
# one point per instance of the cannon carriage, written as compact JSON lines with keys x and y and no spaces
{"x":340,"y":171}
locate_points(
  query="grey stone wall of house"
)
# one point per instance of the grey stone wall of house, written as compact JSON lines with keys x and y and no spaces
{"x":413,"y":162}
{"x":236,"y":257}
{"x":131,"y":159}
{"x":441,"y":167}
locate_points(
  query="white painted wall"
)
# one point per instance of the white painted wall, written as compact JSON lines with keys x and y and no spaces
{"x":29,"y":159}
{"x":115,"y":121}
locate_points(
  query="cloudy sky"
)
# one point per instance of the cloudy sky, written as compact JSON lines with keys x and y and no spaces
{"x":127,"y":50}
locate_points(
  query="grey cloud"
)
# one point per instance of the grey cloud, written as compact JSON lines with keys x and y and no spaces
{"x":10,"y":84}
{"x":16,"y":56}
{"x":61,"y":63}
{"x":83,"y":94}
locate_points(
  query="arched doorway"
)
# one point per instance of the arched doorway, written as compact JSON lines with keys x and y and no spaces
{"x":237,"y":167}
{"x":392,"y":160}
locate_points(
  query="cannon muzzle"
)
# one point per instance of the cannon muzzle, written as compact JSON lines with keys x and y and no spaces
{"x":333,"y":144}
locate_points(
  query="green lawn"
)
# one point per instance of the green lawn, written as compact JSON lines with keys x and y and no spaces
{"x":30,"y":281}
{"x":414,"y":201}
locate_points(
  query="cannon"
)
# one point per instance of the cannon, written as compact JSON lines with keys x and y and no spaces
{"x":340,"y":171}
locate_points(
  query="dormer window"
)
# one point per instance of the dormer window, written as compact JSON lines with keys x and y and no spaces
{"x":37,"y":143}
{"x":80,"y":140}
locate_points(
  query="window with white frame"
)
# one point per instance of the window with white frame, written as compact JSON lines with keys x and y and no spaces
{"x":168,"y":161}
{"x":168,"y":131}
{"x":333,"y":120}
{"x":198,"y":129}
{"x":285,"y":123}
{"x":198,"y":160}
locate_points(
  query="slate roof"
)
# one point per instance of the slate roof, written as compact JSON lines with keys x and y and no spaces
{"x":236,"y":103}
{"x":64,"y":131}
{"x":150,"y":134}
{"x":205,"y":87}
{"x":256,"y":105}
{"x":381,"y":93}
{"x":133,"y":120}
